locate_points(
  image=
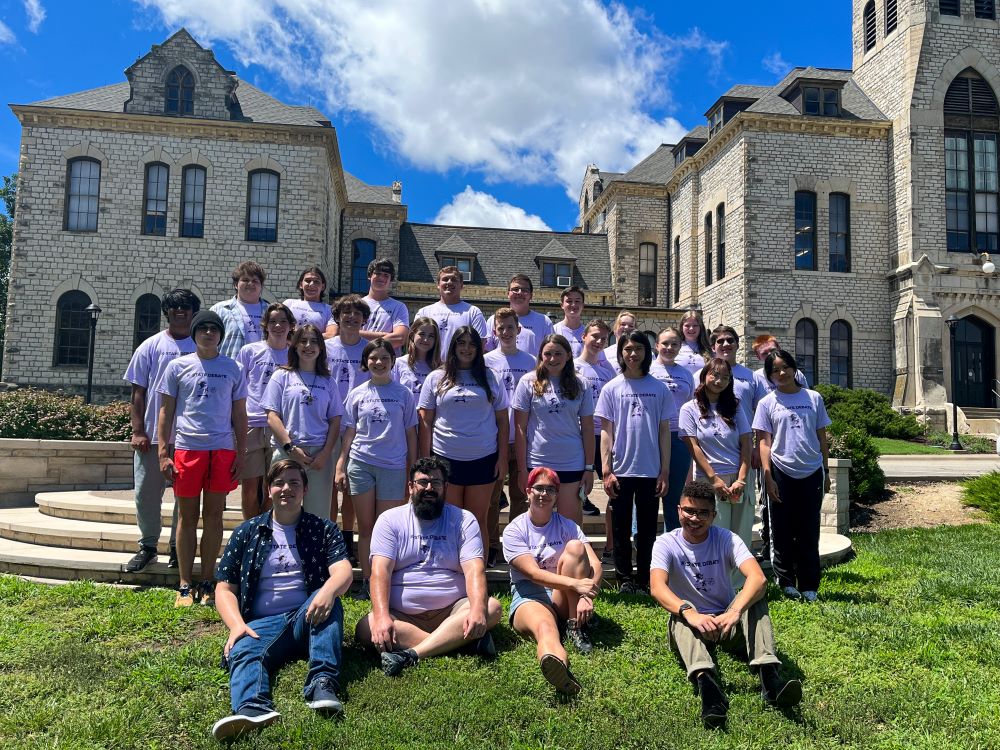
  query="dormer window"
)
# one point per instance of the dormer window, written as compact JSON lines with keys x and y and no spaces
{"x":678,"y":157}
{"x":820,"y":100}
{"x":715,"y":122}
{"x":179,"y":92}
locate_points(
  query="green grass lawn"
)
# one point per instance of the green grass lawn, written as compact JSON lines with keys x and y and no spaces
{"x":900,"y":653}
{"x":893,"y":447}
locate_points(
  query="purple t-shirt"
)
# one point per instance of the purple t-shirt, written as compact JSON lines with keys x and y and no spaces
{"x":554,"y":435}
{"x":386,"y":314}
{"x":465,"y":426}
{"x":412,"y":377}
{"x":345,"y":365}
{"x":636,"y":406}
{"x":718,"y":441}
{"x":544,"y":543}
{"x":763,"y":386}
{"x":689,"y":358}
{"x":452,"y":317}
{"x":700,"y":573}
{"x":573,"y":335}
{"x":598,"y":376}
{"x":259,"y":362}
{"x":205,"y":390}
{"x":317,"y":313}
{"x":534,"y":322}
{"x":427,"y":555}
{"x":380,"y":415}
{"x":527,"y":342}
{"x":147,"y":365}
{"x":743,"y":387}
{"x":305,"y":402}
{"x":677,"y":379}
{"x":282,"y":586}
{"x":792,"y":419}
{"x":510,"y":368}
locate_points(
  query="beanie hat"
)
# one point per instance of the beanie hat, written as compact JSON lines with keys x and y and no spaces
{"x":206,"y":317}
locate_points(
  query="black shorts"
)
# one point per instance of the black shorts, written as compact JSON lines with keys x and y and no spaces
{"x":566,"y":477}
{"x":597,"y":457}
{"x":477,"y":471}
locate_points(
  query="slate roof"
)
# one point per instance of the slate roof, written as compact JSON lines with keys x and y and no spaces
{"x":655,"y":168}
{"x":500,"y":253}
{"x":361,"y":192}
{"x":854,"y":102}
{"x":746,"y":91}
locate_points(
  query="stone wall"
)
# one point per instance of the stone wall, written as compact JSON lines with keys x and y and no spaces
{"x":30,"y":466}
{"x":835,"y":512}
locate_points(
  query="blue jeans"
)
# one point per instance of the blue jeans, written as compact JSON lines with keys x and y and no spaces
{"x":680,"y":463}
{"x":284,"y":638}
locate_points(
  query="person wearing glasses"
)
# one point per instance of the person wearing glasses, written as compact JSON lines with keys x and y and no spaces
{"x":725,"y":344}
{"x":555,"y":576}
{"x":428,"y":584}
{"x":534,"y":325}
{"x":691,"y":579}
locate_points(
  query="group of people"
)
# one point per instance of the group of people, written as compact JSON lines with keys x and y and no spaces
{"x":314,"y":410}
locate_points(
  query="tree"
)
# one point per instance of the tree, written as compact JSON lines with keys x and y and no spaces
{"x":9,"y":195}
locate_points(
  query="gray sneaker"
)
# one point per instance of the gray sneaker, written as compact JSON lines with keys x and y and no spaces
{"x":579,"y":636}
{"x":557,"y":673}
{"x":324,"y":698}
{"x":141,"y":559}
{"x":394,"y":662}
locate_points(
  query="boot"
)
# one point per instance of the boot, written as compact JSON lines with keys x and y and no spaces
{"x":714,"y":704}
{"x":778,"y":692}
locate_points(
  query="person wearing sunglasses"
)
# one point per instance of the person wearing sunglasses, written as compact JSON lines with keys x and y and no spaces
{"x":691,"y":578}
{"x":555,"y":576}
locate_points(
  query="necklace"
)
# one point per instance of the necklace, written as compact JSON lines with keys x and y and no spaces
{"x":309,"y":398}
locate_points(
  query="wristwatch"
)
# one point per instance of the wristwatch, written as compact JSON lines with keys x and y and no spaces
{"x":685,"y":606}
{"x":588,"y":467}
{"x":287,"y":447}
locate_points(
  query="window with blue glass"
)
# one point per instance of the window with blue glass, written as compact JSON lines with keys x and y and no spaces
{"x":805,"y":230}
{"x":362,"y":253}
{"x":262,"y":206}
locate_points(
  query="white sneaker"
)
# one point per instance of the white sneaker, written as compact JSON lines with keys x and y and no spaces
{"x":237,"y":724}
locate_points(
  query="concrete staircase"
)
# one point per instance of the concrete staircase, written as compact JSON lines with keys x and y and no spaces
{"x":981,"y":421}
{"x":91,"y":535}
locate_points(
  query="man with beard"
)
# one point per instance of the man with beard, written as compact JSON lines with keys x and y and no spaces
{"x":428,"y":581}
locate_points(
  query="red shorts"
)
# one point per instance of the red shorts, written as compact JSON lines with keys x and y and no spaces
{"x":210,"y":471}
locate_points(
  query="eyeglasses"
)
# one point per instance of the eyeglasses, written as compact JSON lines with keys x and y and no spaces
{"x":545,"y":489}
{"x":207,"y":328}
{"x":726,"y":340}
{"x":435,"y":483}
{"x":703,"y":513}
{"x":183,"y":307}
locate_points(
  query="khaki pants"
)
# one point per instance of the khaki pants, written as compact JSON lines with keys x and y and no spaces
{"x":753,"y":638}
{"x":515,"y":496}
{"x":738,"y":518}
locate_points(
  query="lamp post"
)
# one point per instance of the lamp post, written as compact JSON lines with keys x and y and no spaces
{"x":95,"y":312}
{"x":952,"y":325}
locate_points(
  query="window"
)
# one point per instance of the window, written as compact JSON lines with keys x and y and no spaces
{"x":869,"y":25}
{"x":598,"y":189}
{"x":647,"y":274}
{"x":805,"y":230}
{"x":463,"y":264}
{"x":72,"y":329}
{"x":262,"y":206}
{"x":193,"y":202}
{"x":362,"y":253}
{"x":950,"y":7}
{"x":555,"y":274}
{"x":840,"y":354}
{"x":805,"y":348}
{"x":972,"y":122}
{"x":708,"y":249}
{"x":840,"y":232}
{"x":679,"y":157}
{"x":154,"y":199}
{"x":890,"y":16}
{"x":179,"y":92}
{"x":986,"y":9}
{"x":83,"y":192}
{"x":677,"y":270}
{"x":586,"y":202}
{"x":147,"y":318}
{"x":821,"y":100}
{"x":720,"y":233}
{"x":715,"y":121}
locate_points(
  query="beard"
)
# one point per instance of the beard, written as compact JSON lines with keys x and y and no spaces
{"x":428,"y":505}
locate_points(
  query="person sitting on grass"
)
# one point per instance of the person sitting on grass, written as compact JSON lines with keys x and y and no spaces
{"x":428,"y":581}
{"x":279,"y":586}
{"x":555,"y":576}
{"x":691,"y":579}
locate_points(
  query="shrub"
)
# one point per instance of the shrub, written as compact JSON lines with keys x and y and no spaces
{"x":40,"y":415}
{"x":867,"y":482}
{"x":869,"y":411}
{"x":983,"y":492}
{"x":971,"y":443}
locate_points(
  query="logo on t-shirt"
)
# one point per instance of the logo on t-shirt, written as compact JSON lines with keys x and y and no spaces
{"x":555,"y":407}
{"x":379,"y":414}
{"x":508,"y":381}
{"x":636,"y":408}
{"x":202,"y":391}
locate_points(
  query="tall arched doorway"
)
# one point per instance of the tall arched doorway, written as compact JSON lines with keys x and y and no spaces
{"x":973,"y":360}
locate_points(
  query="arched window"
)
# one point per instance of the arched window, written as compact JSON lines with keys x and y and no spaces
{"x":869,"y":25}
{"x":147,"y":318}
{"x":179,"y":92}
{"x":840,"y":232}
{"x":154,"y":199}
{"x":720,"y":233}
{"x":193,"y":202}
{"x":891,"y":16}
{"x":805,"y":348}
{"x":708,"y":249}
{"x":262,"y":206}
{"x":677,"y":270}
{"x":840,"y":354}
{"x":647,"y":274}
{"x":586,"y":202}
{"x":363,"y":254}
{"x":72,"y":329}
{"x":950,"y":7}
{"x":972,"y":122}
{"x":805,"y":230}
{"x":83,"y":193}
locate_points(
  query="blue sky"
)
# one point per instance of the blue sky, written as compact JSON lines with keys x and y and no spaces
{"x":488,"y":111}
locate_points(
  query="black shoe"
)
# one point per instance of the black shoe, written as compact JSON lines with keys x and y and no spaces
{"x":607,"y":554}
{"x":172,"y":560}
{"x":503,"y":500}
{"x":579,"y":636}
{"x":394,"y":662}
{"x":628,"y":588}
{"x":589,"y":509}
{"x":491,"y":558}
{"x":141,"y":559}
{"x":714,"y":704}
{"x":249,"y":719}
{"x":777,"y":692}
{"x":557,"y":673}
{"x":363,"y":594}
{"x":324,"y":698}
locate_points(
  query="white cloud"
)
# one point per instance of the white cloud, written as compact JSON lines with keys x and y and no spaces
{"x":6,"y":35}
{"x":471,"y":208}
{"x":36,"y":14}
{"x":775,"y":64}
{"x":518,"y":90}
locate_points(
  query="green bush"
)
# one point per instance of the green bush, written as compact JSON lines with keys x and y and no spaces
{"x":983,"y":492}
{"x":971,"y":443}
{"x":869,"y":411}
{"x":40,"y":415}
{"x":867,"y":480}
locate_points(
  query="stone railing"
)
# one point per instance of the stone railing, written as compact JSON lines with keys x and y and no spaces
{"x":30,"y":466}
{"x":835,"y":517}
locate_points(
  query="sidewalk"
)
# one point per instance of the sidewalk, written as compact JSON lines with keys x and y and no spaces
{"x":937,"y":466}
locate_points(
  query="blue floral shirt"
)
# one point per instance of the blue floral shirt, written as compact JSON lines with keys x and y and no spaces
{"x":320,"y":544}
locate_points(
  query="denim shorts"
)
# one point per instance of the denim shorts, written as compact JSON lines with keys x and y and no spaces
{"x":529,"y":591}
{"x":389,"y":484}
